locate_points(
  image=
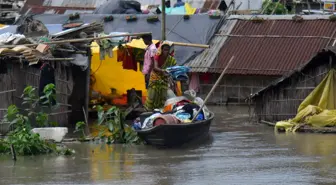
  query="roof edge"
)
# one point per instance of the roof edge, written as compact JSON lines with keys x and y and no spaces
{"x":279,"y":17}
{"x":293,"y":72}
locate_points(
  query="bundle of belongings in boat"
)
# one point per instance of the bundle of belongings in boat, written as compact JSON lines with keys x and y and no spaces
{"x":177,"y":110}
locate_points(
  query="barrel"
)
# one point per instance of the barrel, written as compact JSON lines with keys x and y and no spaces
{"x":165,"y":119}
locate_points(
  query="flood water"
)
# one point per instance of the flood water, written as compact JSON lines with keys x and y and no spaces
{"x":236,"y":153}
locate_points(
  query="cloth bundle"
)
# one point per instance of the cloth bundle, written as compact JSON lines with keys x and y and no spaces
{"x":179,"y":73}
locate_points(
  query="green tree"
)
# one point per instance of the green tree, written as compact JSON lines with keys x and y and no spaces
{"x":269,"y":7}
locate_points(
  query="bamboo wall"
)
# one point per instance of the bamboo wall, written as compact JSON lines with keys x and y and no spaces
{"x":18,"y":77}
{"x":234,"y":89}
{"x":282,"y":101}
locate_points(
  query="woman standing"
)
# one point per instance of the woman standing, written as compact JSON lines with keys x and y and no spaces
{"x":159,"y":78}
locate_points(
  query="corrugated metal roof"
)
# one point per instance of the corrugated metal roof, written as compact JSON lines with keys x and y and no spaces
{"x":313,"y":62}
{"x":204,"y":60}
{"x":59,"y":10}
{"x":60,"y":6}
{"x":272,"y":56}
{"x":74,"y":3}
{"x":210,"y":4}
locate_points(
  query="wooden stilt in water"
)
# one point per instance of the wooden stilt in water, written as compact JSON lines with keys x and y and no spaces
{"x":13,"y":152}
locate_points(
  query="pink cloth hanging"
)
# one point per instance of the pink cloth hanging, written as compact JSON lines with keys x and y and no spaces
{"x":194,"y":82}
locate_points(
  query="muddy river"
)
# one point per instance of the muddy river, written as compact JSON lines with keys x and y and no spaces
{"x":237,"y":152}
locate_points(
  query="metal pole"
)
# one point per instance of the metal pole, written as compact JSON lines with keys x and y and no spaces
{"x":163,"y":22}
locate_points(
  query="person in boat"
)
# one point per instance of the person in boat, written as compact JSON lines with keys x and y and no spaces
{"x":151,"y":51}
{"x":159,"y":78}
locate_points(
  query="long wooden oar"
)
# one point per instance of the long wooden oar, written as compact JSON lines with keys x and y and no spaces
{"x":213,"y":89}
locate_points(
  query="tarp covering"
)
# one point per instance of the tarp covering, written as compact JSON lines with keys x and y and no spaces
{"x":187,"y":9}
{"x":109,"y":73}
{"x":198,"y":29}
{"x":119,"y":7}
{"x":319,"y":107}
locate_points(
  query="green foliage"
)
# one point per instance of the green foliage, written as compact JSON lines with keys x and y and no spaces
{"x":80,"y":126}
{"x":23,"y":140}
{"x":4,"y":147}
{"x":332,"y":17}
{"x":114,"y":119}
{"x":45,"y":102}
{"x":27,"y":143}
{"x":67,"y":151}
{"x":278,"y":8}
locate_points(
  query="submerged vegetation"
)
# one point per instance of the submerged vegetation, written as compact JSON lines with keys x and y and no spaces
{"x":37,"y":110}
{"x":80,"y":126}
{"x":114,"y":120}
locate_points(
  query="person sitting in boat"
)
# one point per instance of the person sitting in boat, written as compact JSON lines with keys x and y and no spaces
{"x":159,"y":77}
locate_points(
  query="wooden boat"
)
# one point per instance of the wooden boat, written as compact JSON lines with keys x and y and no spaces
{"x":170,"y":135}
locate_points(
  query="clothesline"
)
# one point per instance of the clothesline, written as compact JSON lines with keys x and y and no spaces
{"x":105,"y":37}
{"x":80,"y":40}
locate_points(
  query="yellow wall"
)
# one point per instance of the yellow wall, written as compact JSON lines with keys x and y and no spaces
{"x":110,"y":74}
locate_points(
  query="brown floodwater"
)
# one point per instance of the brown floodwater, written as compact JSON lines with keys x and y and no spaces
{"x":237,"y":152}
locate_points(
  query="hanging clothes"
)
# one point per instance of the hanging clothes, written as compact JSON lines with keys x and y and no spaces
{"x":194,"y":82}
{"x":47,"y":77}
{"x":127,"y":57}
{"x":105,"y":47}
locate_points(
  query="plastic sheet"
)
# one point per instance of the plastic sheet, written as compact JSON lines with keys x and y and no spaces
{"x":109,"y":74}
{"x":318,"y":109}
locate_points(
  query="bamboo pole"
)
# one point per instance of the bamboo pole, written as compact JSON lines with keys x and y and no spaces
{"x":58,"y":59}
{"x":81,"y":40}
{"x":163,"y":23}
{"x":57,"y":113}
{"x":7,"y":91}
{"x":273,"y":36}
{"x":71,"y":51}
{"x":98,"y":38}
{"x":191,"y":45}
{"x":268,"y":123}
{"x":87,"y":93}
{"x":213,"y":89}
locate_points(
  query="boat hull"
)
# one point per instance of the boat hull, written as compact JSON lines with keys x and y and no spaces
{"x":170,"y":135}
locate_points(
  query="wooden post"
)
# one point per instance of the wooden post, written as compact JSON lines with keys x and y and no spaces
{"x":87,"y":92}
{"x":163,"y":21}
{"x":13,"y":152}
